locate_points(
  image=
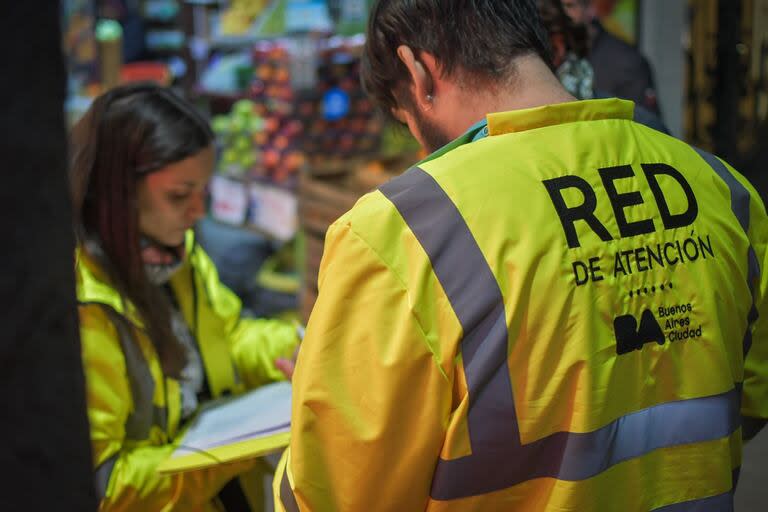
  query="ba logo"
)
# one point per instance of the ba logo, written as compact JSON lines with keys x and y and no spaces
{"x":630,"y":337}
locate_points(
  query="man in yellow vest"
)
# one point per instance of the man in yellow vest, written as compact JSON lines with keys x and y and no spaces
{"x":559,"y":310}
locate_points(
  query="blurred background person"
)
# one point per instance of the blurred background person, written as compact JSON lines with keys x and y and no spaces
{"x":570,"y":49}
{"x":571,"y":52}
{"x":620,"y":69}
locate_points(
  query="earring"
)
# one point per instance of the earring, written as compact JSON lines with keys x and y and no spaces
{"x":430,"y":98}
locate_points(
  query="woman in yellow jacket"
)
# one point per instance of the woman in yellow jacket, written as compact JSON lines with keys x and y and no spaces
{"x":160,"y":332}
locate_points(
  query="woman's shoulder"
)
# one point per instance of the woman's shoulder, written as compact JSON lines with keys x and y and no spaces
{"x":96,"y":294}
{"x":90,"y":276}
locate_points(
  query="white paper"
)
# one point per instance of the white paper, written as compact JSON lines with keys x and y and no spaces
{"x":229,"y":200}
{"x":259,"y":413}
{"x":274,"y":210}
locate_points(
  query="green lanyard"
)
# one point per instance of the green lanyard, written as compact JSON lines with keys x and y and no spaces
{"x":476,"y":132}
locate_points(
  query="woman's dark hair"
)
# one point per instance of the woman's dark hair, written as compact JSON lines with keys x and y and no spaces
{"x":480,"y":39}
{"x":128,"y":133}
{"x":557,"y":22}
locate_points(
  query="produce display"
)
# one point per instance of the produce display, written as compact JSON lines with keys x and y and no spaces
{"x":261,"y":137}
{"x":236,"y":133}
{"x":277,"y":129}
{"x":339,"y":119}
{"x":255,"y":143}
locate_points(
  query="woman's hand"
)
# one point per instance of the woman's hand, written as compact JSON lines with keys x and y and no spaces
{"x":288,"y":366}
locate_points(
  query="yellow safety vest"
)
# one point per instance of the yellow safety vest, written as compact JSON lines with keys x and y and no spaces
{"x":554,"y":316}
{"x":134,"y":410}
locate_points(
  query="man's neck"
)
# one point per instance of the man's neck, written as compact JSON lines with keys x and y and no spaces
{"x":533,"y":85}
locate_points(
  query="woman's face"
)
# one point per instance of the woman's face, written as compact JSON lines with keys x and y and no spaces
{"x":172,"y":199}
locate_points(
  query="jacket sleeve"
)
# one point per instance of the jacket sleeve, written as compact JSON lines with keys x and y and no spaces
{"x":255,"y":343}
{"x":371,"y":402}
{"x":125,"y":473}
{"x":755,"y":391}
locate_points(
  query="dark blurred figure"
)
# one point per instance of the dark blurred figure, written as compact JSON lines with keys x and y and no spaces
{"x":570,"y":49}
{"x":571,"y":58}
{"x":46,"y":453}
{"x":755,"y":165}
{"x":620,"y":69}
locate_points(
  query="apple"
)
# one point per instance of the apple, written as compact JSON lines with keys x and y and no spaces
{"x":243,"y":107}
{"x":220,"y":124}
{"x":255,"y":125}
{"x":238,"y":124}
{"x":229,"y":156}
{"x":242,"y":143}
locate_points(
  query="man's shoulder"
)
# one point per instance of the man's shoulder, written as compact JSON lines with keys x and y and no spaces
{"x":372,"y":213}
{"x":369,"y":207}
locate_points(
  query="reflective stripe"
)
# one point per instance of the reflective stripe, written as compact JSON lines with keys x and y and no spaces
{"x":145,"y":413}
{"x":477,"y":302}
{"x":160,"y":417}
{"x":499,"y":460}
{"x":102,"y":475}
{"x":638,"y":433}
{"x":286,"y":494}
{"x":740,"y":199}
{"x":739,"y":193}
{"x":720,"y":503}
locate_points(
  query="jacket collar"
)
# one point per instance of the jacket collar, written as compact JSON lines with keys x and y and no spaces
{"x":548,"y":115}
{"x":561,"y":113}
{"x":95,"y":287}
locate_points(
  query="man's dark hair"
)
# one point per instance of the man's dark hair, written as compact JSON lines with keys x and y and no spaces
{"x":479,"y":39}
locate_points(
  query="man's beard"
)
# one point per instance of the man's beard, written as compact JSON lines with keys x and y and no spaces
{"x":432,"y":136}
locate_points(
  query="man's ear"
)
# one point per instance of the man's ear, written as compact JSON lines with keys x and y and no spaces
{"x":422,"y":72}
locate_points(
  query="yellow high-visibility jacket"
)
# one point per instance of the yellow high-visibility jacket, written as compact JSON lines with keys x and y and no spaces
{"x":551,"y":313}
{"x":134,"y":410}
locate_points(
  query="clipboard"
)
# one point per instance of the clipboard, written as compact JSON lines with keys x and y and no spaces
{"x":227,"y":430}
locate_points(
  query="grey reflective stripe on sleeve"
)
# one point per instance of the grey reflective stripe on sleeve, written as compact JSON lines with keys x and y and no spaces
{"x":160,"y":417}
{"x":145,"y":413}
{"x":739,"y":193}
{"x":102,"y":476}
{"x":499,"y":459}
{"x":286,"y":494}
{"x":740,"y":199}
